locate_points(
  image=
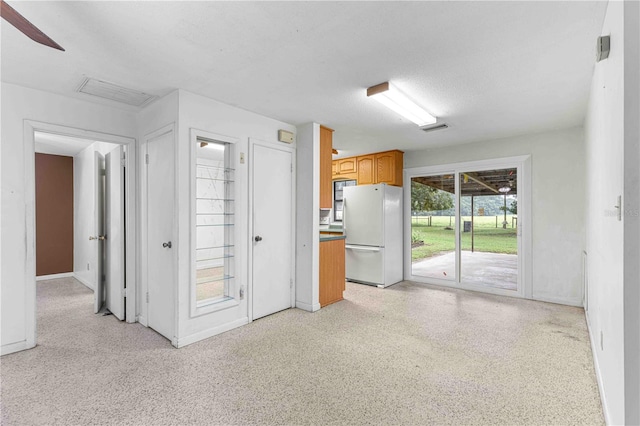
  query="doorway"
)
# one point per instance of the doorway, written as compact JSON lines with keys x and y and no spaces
{"x":468,"y":225}
{"x":272,"y":187}
{"x":80,"y":205}
{"x":42,"y":137}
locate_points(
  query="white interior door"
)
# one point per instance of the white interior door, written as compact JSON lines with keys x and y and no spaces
{"x":114,"y":231}
{"x":98,"y":234}
{"x":160,"y":181}
{"x":272,"y":221}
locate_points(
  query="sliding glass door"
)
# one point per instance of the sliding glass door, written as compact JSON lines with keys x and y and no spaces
{"x":489,"y":240}
{"x":464,"y":227}
{"x":433,"y":225}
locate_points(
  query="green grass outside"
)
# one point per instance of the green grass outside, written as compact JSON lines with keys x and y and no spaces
{"x":487,"y":238}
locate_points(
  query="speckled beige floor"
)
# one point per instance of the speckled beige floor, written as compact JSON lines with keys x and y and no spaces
{"x":407,"y":354}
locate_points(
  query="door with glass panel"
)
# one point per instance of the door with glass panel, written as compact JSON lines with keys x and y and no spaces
{"x":464,"y":228}
{"x":433,"y":226}
{"x":489,"y":231}
{"x":214,"y":223}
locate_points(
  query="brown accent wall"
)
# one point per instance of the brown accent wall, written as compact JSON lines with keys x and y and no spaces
{"x":54,"y":214}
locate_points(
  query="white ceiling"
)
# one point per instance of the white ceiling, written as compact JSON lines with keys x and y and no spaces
{"x":488,"y":69}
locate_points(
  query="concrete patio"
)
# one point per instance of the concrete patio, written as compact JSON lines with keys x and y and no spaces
{"x":495,"y":270}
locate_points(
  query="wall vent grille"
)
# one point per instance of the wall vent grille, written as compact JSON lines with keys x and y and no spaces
{"x":113,"y":92}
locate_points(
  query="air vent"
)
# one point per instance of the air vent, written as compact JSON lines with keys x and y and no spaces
{"x":437,"y":126}
{"x":113,"y":92}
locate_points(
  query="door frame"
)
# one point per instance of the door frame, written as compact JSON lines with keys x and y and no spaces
{"x":143,"y":313}
{"x":29,"y":129}
{"x":292,"y":150}
{"x":523,"y":164}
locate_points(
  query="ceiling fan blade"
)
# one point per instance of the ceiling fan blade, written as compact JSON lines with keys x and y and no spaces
{"x":27,"y":28}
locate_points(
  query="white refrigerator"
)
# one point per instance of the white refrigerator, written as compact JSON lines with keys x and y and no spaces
{"x":372,"y":222}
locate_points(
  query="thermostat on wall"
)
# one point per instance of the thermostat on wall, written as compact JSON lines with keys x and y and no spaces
{"x":284,"y":136}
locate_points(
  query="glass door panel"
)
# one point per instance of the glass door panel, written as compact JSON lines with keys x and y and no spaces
{"x":214,"y":223}
{"x":488,"y":232}
{"x":433,"y":227}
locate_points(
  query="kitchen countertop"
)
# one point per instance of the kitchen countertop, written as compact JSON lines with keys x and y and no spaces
{"x":331,"y":228}
{"x":329,"y":237}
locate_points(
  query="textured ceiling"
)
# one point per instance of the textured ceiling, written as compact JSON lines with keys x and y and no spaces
{"x":488,"y":69}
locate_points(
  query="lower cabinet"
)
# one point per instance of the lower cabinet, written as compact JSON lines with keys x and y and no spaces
{"x":332,"y":272}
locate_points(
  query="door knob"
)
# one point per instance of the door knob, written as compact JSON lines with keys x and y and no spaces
{"x":102,"y":237}
{"x":167,"y":244}
{"x":258,"y":238}
{"x":92,"y":238}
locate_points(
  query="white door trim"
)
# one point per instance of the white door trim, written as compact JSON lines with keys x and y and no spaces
{"x":30,"y":127}
{"x":523,"y":164}
{"x":292,"y":150}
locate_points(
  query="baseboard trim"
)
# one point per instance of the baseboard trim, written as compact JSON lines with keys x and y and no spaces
{"x":55,"y":276}
{"x":559,"y":301}
{"x":596,"y":366}
{"x":16,"y":347}
{"x":307,"y":307}
{"x":83,"y":281}
{"x":196,"y":337}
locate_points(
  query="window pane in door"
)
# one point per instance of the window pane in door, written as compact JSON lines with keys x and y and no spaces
{"x":433,"y":238}
{"x":214,"y":223}
{"x":488,"y":239}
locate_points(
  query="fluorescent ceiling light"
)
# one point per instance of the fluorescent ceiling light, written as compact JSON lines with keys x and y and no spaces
{"x":393,"y":99}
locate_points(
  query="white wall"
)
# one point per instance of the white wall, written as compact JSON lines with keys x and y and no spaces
{"x":631,"y":203}
{"x":613,"y":158}
{"x":84,"y":215}
{"x":604,"y":135}
{"x":20,"y":104}
{"x":557,"y":180}
{"x":308,"y":218}
{"x":198,"y":112}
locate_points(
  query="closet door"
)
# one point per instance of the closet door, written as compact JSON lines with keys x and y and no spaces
{"x":159,"y":233}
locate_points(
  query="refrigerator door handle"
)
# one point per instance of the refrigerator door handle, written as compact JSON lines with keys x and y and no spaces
{"x":344,"y":215}
{"x":362,"y":248}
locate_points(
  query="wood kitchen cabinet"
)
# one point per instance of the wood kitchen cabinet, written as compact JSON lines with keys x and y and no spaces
{"x":332,"y":271}
{"x":367,"y":170}
{"x":380,"y":167}
{"x":389,"y":167}
{"x":326,"y":145}
{"x":345,"y":168}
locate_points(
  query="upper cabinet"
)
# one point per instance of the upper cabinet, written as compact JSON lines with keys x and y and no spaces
{"x":380,"y":167}
{"x":326,"y":145}
{"x":367,"y":169}
{"x":389,"y":168}
{"x":345,"y":168}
